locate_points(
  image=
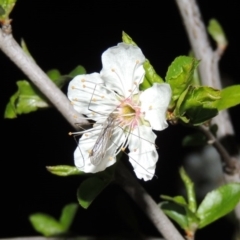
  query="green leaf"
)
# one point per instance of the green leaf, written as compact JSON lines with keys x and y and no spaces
{"x":25,"y":49}
{"x":79,"y":70}
{"x":127,"y":39}
{"x":67,"y":215}
{"x":176,"y":213}
{"x":216,"y":32}
{"x":180,"y":75}
{"x":189,"y":186}
{"x":64,"y":170}
{"x":230,"y":97}
{"x":90,"y":189}
{"x":150,"y":74}
{"x":196,"y":139}
{"x":27,"y":99}
{"x":218,"y":203}
{"x":46,"y":224}
{"x":197,"y":105}
{"x":180,"y":200}
{"x":6,"y":7}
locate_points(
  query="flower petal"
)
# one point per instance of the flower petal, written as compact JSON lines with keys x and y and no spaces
{"x":123,"y":68}
{"x":154,"y":102}
{"x":89,"y":96}
{"x":82,"y":157}
{"x":143,"y":155}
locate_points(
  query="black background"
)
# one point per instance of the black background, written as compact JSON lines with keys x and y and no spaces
{"x":62,"y":35}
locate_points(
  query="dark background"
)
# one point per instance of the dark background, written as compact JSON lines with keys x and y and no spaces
{"x":62,"y":35}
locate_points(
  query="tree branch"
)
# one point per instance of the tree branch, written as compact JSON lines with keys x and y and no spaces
{"x":208,"y":67}
{"x":11,"y":48}
{"x":151,"y":209}
{"x":209,"y":73}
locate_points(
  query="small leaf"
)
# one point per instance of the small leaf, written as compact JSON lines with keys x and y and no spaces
{"x":150,"y":74}
{"x":178,"y":199}
{"x":127,"y":39}
{"x":6,"y":7}
{"x":196,"y":139}
{"x":189,"y":186}
{"x":216,"y":32}
{"x":90,"y":189}
{"x":218,"y":203}
{"x":77,"y":71}
{"x":180,"y":75}
{"x":46,"y":224}
{"x":27,"y":99}
{"x":230,"y":97}
{"x":64,"y":170}
{"x":176,"y":213}
{"x":67,"y":215}
{"x":54,"y":74}
{"x":196,"y":105}
{"x":25,"y":49}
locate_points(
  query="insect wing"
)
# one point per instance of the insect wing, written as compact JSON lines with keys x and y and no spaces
{"x":101,"y":145}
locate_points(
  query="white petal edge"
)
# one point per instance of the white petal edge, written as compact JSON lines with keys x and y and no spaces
{"x":81,"y":154}
{"x":154,"y":102}
{"x":143,"y":155}
{"x":89,"y":96}
{"x":123,"y":69}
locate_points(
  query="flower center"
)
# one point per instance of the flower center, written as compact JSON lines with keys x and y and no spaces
{"x":129,"y":113}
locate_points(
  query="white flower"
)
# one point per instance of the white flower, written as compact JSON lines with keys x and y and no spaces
{"x":124,"y":115}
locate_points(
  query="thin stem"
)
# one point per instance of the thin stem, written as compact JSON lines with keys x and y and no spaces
{"x":11,"y":48}
{"x":208,"y":67}
{"x":228,"y":161}
{"x":151,"y":209}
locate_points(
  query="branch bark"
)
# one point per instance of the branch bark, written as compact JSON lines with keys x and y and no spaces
{"x":11,"y":48}
{"x":208,"y":67}
{"x":209,"y":73}
{"x":152,"y":210}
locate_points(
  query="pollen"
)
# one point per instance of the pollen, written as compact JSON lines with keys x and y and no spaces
{"x":110,"y":158}
{"x":137,"y":62}
{"x":84,"y":85}
{"x":113,"y":70}
{"x":75,"y":116}
{"x":150,"y":107}
{"x":83,"y":80}
{"x":73,"y":87}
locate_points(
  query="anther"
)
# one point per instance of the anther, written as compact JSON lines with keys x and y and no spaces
{"x":83,"y":80}
{"x":70,"y":133}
